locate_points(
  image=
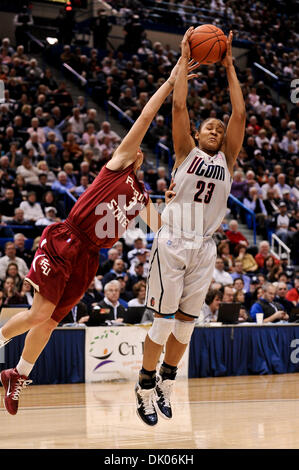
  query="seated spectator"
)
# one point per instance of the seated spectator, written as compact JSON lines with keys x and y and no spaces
{"x":249,"y":265}
{"x":77,"y":121}
{"x":281,"y":185}
{"x":224,"y":253}
{"x":13,"y":272}
{"x":28,"y":171}
{"x":109,"y":310}
{"x":138,"y":245}
{"x":8,"y":204}
{"x":254,"y":294}
{"x":10,"y":257}
{"x":282,"y":222}
{"x":107,"y":132}
{"x":32,"y":209}
{"x":83,"y":186}
{"x":234,"y":236}
{"x":34,"y":145}
{"x":26,"y":291}
{"x":61,"y":185}
{"x":36,"y":129}
{"x":220,"y":275}
{"x":78,"y":315}
{"x":93,"y":146}
{"x":228,"y":293}
{"x":137,"y":276}
{"x":117,"y":269}
{"x":139,"y":290}
{"x":53,"y":159}
{"x":92,"y":297}
{"x":263,"y":253}
{"x":49,"y":219}
{"x":273,"y":311}
{"x":240,"y":274}
{"x":280,"y":297}
{"x":254,"y":202}
{"x":11,"y":295}
{"x":293,"y":294}
{"x":140,"y":258}
{"x":18,"y":218}
{"x":209,"y":310}
{"x":49,"y":200}
{"x":269,"y":263}
{"x":125,"y":294}
{"x":51,"y":127}
{"x":107,"y":265}
{"x":21,"y":251}
{"x":274,"y":273}
{"x":239,"y":296}
{"x":290,"y":204}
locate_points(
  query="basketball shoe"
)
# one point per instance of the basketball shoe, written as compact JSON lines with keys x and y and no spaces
{"x":13,"y":384}
{"x":145,"y":399}
{"x":163,"y":392}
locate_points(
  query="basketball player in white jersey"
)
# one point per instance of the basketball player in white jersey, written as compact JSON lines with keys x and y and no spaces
{"x":183,"y":253}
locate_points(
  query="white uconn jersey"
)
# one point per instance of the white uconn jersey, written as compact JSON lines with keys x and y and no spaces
{"x":202,"y":188}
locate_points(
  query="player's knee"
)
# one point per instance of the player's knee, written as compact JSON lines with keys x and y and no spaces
{"x":183,"y":330}
{"x":35,"y":317}
{"x":161,"y":329}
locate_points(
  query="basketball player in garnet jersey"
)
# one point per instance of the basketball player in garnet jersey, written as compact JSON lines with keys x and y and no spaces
{"x":67,"y":258}
{"x":183,"y":253}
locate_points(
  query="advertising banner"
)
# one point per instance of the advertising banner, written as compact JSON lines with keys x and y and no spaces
{"x":116,"y":353}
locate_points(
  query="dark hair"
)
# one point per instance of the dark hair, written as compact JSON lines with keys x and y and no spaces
{"x":212,"y":294}
{"x":208,"y":119}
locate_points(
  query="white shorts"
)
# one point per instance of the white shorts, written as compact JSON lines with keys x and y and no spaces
{"x":179,"y":277}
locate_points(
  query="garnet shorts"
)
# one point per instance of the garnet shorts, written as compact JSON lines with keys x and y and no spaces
{"x":63,"y":267}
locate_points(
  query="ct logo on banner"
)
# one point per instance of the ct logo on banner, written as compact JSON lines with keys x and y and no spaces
{"x":102,"y":343}
{"x":117,"y":353}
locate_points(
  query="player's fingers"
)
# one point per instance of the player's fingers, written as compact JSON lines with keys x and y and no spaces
{"x":171,"y":186}
{"x":192,"y":75}
{"x":193,"y":67}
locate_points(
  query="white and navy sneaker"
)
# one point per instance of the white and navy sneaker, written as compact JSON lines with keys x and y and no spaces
{"x":163,"y":392}
{"x":145,"y":399}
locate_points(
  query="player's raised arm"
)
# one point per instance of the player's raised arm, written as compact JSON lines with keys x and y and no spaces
{"x":126,"y":152}
{"x":236,"y":125}
{"x":182,"y":140}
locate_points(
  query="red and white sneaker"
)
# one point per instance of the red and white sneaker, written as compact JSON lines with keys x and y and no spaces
{"x":13,"y":384}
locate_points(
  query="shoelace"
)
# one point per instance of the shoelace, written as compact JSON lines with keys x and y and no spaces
{"x":166,"y":388}
{"x":21,"y":384}
{"x":147,"y":400}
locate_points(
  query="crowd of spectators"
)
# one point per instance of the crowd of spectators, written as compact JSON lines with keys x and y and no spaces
{"x":50,"y":144}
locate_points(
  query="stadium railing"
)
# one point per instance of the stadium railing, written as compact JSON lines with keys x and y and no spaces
{"x":282,"y":248}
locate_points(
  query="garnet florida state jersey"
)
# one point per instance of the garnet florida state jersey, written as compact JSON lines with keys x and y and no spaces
{"x":104,"y":211}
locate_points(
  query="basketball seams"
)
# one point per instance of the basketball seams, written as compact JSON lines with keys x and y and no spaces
{"x":208,"y":53}
{"x":204,"y":58}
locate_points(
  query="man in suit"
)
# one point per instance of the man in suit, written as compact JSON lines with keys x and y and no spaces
{"x":109,"y":310}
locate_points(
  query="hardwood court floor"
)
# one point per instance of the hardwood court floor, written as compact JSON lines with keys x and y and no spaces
{"x":249,"y":412}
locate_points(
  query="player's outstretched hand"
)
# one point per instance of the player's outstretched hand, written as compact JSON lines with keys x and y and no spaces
{"x":169,"y":194}
{"x":185,"y":46}
{"x":228,"y":59}
{"x":192,"y":65}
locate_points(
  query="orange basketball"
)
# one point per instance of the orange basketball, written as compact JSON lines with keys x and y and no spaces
{"x":207,"y":44}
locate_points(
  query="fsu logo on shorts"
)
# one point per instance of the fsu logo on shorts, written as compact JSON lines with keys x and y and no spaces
{"x":152,"y":302}
{"x":45,"y":266}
